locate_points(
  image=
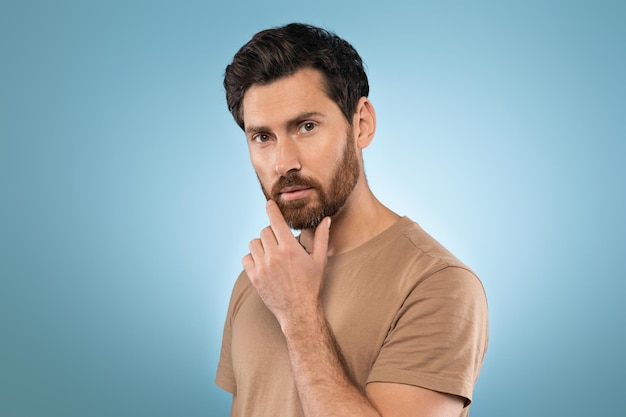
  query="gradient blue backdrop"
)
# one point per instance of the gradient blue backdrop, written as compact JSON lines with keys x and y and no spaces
{"x":128,"y":200}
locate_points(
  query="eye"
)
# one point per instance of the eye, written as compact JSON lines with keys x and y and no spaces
{"x":307,"y":127}
{"x":260,"y":138}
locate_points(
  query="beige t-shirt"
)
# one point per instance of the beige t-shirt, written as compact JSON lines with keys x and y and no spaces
{"x":401,"y":307}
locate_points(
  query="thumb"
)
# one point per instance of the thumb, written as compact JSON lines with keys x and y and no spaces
{"x":320,"y":241}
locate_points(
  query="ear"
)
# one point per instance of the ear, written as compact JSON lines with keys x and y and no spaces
{"x":364,"y":123}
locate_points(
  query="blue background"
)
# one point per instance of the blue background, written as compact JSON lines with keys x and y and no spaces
{"x":128,"y":199}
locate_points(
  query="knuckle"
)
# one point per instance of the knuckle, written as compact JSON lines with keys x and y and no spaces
{"x":272,"y":262}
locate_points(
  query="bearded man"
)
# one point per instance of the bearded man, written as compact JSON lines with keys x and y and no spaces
{"x":364,"y":316}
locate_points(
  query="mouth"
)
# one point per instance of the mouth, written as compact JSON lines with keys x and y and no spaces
{"x":294,"y":193}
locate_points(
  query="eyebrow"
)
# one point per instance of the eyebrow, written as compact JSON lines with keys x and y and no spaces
{"x":290,"y":123}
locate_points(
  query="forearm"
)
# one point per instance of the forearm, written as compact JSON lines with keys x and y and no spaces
{"x":322,"y":380}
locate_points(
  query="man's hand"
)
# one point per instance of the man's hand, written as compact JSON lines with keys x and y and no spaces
{"x":288,"y":279}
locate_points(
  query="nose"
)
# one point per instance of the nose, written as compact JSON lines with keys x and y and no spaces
{"x":287,"y":157}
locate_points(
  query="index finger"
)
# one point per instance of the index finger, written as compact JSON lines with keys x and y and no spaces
{"x":277,"y":222}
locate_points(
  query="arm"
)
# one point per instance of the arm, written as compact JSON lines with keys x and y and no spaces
{"x":325,"y":388}
{"x":289,"y":281}
{"x":407,"y":400}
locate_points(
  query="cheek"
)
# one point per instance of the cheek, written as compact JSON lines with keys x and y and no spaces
{"x":263,"y":170}
{"x":258,"y":163}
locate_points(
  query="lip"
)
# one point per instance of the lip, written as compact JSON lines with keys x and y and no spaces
{"x":294,"y":193}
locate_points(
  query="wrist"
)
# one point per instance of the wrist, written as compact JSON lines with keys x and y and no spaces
{"x":303,"y":322}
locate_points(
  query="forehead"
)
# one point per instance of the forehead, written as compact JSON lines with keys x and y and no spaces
{"x":283,"y":99}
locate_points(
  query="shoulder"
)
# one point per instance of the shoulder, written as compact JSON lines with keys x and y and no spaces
{"x":445,"y":270}
{"x":242,"y":289}
{"x":410,"y":250}
{"x":417,"y":239}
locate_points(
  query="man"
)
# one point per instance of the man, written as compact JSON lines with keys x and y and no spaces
{"x":363,"y":313}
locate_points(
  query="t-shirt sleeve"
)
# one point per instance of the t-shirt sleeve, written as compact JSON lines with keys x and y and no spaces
{"x":438,"y":338}
{"x":225,"y":377}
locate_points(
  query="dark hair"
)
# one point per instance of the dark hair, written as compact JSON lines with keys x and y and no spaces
{"x":276,"y":53}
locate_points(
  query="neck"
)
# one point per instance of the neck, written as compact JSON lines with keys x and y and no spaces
{"x":359,"y":220}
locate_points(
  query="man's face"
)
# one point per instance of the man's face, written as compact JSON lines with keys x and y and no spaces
{"x":301,"y":146}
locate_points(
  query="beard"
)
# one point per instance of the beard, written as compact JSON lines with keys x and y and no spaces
{"x":307,"y":213}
